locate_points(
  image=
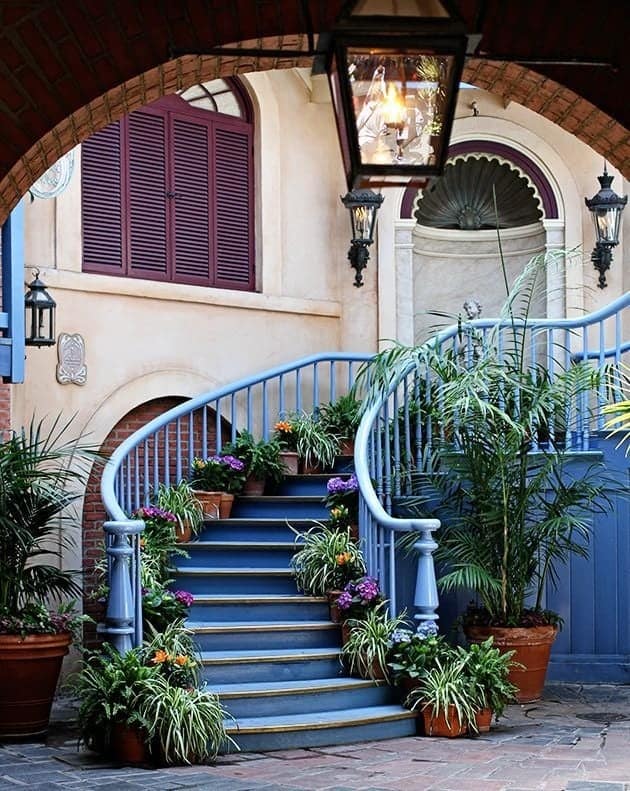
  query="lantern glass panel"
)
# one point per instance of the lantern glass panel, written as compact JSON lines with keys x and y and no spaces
{"x":363,"y":218}
{"x":607,"y":224}
{"x":398,"y":100}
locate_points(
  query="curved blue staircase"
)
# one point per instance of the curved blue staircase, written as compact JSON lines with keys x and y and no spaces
{"x":271,"y":653}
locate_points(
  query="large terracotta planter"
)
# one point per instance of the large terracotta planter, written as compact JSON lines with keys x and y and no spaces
{"x":210,"y":503}
{"x":440,"y":725}
{"x":532,"y":646}
{"x":29,"y":671}
{"x":483,"y":720}
{"x":128,"y":745}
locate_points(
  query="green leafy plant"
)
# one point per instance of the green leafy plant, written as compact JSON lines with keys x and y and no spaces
{"x":342,"y":416}
{"x":180,"y":500}
{"x":157,"y":545}
{"x":619,"y":423}
{"x":311,"y":439}
{"x":184,"y":726}
{"x":219,"y":473}
{"x":371,"y":637}
{"x":161,"y":607}
{"x":261,"y":457}
{"x":413,"y":654}
{"x":486,"y":670}
{"x":41,"y":475}
{"x":326,"y":559}
{"x":444,"y":690}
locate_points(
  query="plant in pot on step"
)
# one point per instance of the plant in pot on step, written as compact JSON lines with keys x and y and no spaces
{"x":357,"y":597}
{"x":510,"y":517}
{"x":342,"y":498}
{"x":342,"y":417}
{"x":325,"y":560}
{"x":413,"y":654}
{"x":487,"y":670}
{"x":215,"y":481}
{"x":316,"y":446}
{"x":284,"y":434}
{"x":179,"y":499}
{"x":262,"y":460}
{"x":444,"y":699}
{"x":370,"y":639}
{"x":42,"y":471}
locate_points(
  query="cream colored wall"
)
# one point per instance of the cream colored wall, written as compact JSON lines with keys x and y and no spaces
{"x":145,"y":339}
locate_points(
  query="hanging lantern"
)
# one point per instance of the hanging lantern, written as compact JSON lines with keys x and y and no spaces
{"x":606,"y":207}
{"x":394,"y":72}
{"x":40,"y":310}
{"x":363,"y":206}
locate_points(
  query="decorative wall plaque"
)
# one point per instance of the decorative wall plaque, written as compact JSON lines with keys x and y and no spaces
{"x":71,"y":368}
{"x":55,"y":179}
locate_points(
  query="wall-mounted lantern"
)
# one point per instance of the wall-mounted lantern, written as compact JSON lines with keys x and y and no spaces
{"x":363,"y":206}
{"x":394,"y":69}
{"x":606,"y":207}
{"x":40,"y":310}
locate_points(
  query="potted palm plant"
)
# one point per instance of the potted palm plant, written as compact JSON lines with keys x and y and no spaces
{"x":509,"y":516}
{"x":261,"y":458}
{"x":41,"y":472}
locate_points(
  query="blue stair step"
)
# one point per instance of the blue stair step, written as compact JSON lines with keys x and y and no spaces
{"x":297,"y":697}
{"x":235,"y":667}
{"x":205,"y":580}
{"x":262,"y":608}
{"x":250,"y":635}
{"x":280,"y":507}
{"x":322,"y":728}
{"x":252,"y":529}
{"x":304,"y":485}
{"x":271,"y":554}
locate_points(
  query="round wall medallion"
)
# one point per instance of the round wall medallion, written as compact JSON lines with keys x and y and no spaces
{"x":55,"y":179}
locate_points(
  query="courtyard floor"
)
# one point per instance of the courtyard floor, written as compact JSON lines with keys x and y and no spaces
{"x":576,"y":739}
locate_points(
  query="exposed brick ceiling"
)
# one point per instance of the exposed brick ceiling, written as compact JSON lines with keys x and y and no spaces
{"x":58,"y":58}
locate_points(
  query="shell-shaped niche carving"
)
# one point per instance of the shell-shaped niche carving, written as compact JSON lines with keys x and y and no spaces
{"x":463,"y":198}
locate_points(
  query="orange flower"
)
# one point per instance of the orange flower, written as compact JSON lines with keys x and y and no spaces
{"x":284,"y":426}
{"x":343,"y":558}
{"x":181,"y":660}
{"x":159,"y":657}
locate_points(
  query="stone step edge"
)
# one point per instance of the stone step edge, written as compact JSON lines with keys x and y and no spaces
{"x":269,"y":598}
{"x":256,"y":545}
{"x":280,"y":688}
{"x":319,"y":720}
{"x":237,"y":627}
{"x":236,"y":571}
{"x":209,"y":658}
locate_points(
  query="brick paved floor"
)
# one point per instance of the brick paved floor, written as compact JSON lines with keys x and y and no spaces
{"x":576,"y":739}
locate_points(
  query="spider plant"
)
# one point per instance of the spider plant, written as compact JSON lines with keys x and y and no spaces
{"x":445,"y":691}
{"x":619,"y":423}
{"x":182,"y":503}
{"x":370,"y":640}
{"x":315,"y":444}
{"x":326,"y":559}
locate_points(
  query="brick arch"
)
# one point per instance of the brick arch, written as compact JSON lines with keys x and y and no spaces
{"x":507,"y":80}
{"x":558,"y":104}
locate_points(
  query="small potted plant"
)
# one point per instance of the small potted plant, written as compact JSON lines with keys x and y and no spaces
{"x":444,"y":699}
{"x":215,"y":481}
{"x":284,"y":434}
{"x":161,"y":606}
{"x":413,"y":654}
{"x":179,"y":499}
{"x":342,"y":417}
{"x":487,"y":671}
{"x":157,"y":543}
{"x":262,"y":461}
{"x":316,"y":446}
{"x":369,"y":640}
{"x":326,"y":560}
{"x":356,"y":598}
{"x":342,"y":499}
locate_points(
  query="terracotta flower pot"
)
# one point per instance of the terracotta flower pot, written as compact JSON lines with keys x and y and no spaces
{"x":29,"y":671}
{"x":532,"y":646}
{"x":313,"y":468}
{"x":290,"y":460}
{"x":183,"y":533}
{"x":254,"y":487}
{"x":440,"y":725}
{"x":210,"y":503}
{"x":483,"y":720}
{"x":128,"y":745}
{"x":346,"y":447}
{"x":225,"y":505}
{"x":372,"y":671}
{"x":335,"y":613}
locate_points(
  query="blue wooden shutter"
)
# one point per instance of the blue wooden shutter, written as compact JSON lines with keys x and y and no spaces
{"x":148,"y":243}
{"x":233,"y":207}
{"x":191,"y":202}
{"x":102,"y":211}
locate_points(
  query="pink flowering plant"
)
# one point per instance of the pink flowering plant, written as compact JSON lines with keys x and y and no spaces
{"x":359,"y":596}
{"x":218,"y":473}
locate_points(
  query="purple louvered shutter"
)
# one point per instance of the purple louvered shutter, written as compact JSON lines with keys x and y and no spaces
{"x":102,"y":202}
{"x":191,"y":202}
{"x":148,"y":221}
{"x":233,"y":207}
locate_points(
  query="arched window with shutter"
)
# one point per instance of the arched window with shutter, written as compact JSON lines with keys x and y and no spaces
{"x":167,"y":192}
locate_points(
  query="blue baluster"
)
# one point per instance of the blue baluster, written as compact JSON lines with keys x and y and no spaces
{"x":121,"y":627}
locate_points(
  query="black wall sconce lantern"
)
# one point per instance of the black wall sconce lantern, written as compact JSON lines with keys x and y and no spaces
{"x":39,"y":309}
{"x":606,"y":208}
{"x":394,"y":70}
{"x":363,"y":206}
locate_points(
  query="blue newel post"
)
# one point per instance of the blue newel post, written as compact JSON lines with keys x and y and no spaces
{"x":123,"y":620}
{"x":426,"y":598}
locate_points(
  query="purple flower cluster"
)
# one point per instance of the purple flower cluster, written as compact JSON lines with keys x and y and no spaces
{"x":183,"y":597}
{"x":153,"y":512}
{"x":341,"y":486}
{"x":227,"y":461}
{"x":363,"y":592}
